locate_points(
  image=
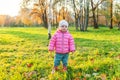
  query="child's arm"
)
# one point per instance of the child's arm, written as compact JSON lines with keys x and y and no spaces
{"x":72,"y":44}
{"x":52,"y":43}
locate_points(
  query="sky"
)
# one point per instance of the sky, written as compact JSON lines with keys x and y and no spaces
{"x":9,"y":7}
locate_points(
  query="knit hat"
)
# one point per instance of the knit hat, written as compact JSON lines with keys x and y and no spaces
{"x":63,"y":22}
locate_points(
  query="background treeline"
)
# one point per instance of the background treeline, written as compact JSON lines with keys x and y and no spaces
{"x":80,"y":13}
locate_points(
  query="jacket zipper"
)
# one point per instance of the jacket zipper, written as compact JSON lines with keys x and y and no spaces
{"x":62,"y":42}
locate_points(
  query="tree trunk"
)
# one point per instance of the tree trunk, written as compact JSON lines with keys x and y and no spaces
{"x":118,"y":25}
{"x":63,"y":12}
{"x":82,"y":21}
{"x":94,"y":18}
{"x":76,"y":18}
{"x":106,"y":22}
{"x":76,"y":21}
{"x":44,"y":19}
{"x":81,"y":14}
{"x":97,"y":16}
{"x":56,"y":21}
{"x":111,"y":14}
{"x":87,"y":15}
{"x":49,"y":19}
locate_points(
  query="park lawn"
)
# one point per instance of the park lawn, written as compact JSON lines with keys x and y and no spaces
{"x":24,"y":55}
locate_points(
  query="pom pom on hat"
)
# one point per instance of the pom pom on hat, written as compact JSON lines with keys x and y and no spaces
{"x":63,"y":22}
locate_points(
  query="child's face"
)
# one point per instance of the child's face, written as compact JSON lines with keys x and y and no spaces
{"x":63,"y":28}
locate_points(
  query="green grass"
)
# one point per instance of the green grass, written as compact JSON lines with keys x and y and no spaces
{"x":24,"y":55}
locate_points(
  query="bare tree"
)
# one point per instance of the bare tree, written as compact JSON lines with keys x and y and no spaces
{"x":76,"y":14}
{"x":49,"y":19}
{"x":86,"y":14}
{"x":94,"y":7}
{"x":117,"y":15}
{"x":81,"y":14}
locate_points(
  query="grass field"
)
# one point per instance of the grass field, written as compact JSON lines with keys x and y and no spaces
{"x":24,"y":55}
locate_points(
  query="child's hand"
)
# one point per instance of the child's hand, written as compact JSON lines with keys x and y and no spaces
{"x":51,"y":55}
{"x":51,"y":52}
{"x":72,"y":52}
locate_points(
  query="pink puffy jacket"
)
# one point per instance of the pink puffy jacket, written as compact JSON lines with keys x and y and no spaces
{"x":62,"y":42}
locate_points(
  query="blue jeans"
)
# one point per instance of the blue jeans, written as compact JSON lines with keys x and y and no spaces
{"x":61,"y":57}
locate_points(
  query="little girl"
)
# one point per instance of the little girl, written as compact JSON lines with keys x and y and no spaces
{"x":63,"y":43}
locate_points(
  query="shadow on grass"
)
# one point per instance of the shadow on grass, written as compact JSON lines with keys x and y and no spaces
{"x":101,"y":31}
{"x":36,"y":38}
{"x":100,"y":44}
{"x":27,"y":35}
